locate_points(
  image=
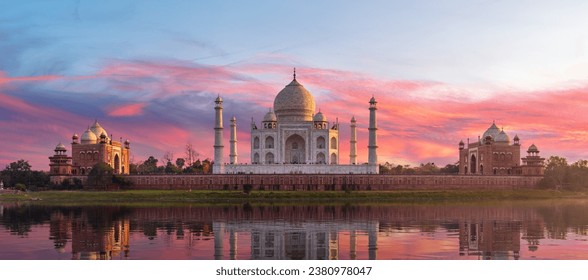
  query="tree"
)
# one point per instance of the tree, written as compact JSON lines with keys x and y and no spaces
{"x":191,"y":154}
{"x":168,"y":156}
{"x":556,"y":170}
{"x":428,"y":168}
{"x":578,"y":175}
{"x":171,"y":169}
{"x":149,"y":166}
{"x":450,"y":169}
{"x":206,"y":166}
{"x":19,"y":172}
{"x":180,"y":162}
{"x":100,"y":177}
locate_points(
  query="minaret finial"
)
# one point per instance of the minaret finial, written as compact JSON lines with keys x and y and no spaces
{"x":294,"y":73}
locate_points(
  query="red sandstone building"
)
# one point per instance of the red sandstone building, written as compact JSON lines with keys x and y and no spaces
{"x":493,"y":154}
{"x":92,"y":147}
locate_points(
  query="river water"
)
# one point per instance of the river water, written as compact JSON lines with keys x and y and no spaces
{"x":456,"y":231}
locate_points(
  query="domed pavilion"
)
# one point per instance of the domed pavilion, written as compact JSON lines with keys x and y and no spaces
{"x":92,"y":147}
{"x":494,"y":154}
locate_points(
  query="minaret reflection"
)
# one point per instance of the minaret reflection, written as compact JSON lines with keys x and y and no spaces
{"x":219,"y":232}
{"x":373,"y":240}
{"x":352,"y":245}
{"x":233,"y":244}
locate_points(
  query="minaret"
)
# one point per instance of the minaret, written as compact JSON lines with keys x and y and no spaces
{"x":373,"y":145}
{"x":218,"y":137}
{"x":353,"y":143}
{"x":233,"y":141}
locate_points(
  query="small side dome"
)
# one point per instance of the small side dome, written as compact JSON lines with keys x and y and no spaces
{"x":461,"y":143}
{"x":60,"y":147}
{"x":127,"y":142}
{"x":270,"y":116}
{"x":75,"y":136}
{"x":319,"y":117}
{"x":373,"y":100}
{"x":218,"y":99}
{"x":353,"y":119}
{"x":103,"y":135}
{"x":502,"y":137}
{"x":88,"y":137}
{"x":533,"y":149}
{"x":516,"y":138}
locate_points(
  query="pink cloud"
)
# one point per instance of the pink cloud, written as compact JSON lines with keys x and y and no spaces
{"x":419,"y":121}
{"x":127,"y":110}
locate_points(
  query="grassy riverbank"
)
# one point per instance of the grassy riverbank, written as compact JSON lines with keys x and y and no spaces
{"x":233,"y":197}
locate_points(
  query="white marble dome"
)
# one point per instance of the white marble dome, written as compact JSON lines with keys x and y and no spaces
{"x":319,"y":117}
{"x":97,"y":129}
{"x":270,"y":116}
{"x":492,"y":131}
{"x":294,"y":103}
{"x":88,"y":137}
{"x":502,"y":137}
{"x":60,"y":147}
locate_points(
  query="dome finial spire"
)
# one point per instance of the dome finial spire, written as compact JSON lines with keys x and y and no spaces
{"x":294,"y":73}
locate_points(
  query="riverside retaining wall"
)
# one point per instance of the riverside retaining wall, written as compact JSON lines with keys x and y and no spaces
{"x":320,"y":182}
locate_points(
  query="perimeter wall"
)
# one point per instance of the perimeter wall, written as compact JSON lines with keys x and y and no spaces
{"x":319,"y":182}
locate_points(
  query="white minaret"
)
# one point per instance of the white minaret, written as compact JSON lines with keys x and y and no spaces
{"x":233,"y":141}
{"x":353,"y":143}
{"x":373,"y":143}
{"x":218,"y":167}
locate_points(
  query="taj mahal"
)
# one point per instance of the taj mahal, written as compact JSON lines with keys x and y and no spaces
{"x":293,"y":138}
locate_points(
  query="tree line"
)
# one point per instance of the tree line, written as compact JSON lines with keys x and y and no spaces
{"x":428,"y":168}
{"x":559,"y":174}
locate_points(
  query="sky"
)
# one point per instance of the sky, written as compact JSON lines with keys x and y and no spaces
{"x":149,"y":71}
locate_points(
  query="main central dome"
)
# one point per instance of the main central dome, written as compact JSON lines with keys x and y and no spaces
{"x":294,"y":103}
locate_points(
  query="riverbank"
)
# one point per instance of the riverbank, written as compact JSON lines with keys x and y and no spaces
{"x":287,"y":197}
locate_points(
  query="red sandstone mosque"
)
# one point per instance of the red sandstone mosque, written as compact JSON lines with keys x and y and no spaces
{"x":93,"y":147}
{"x":493,"y":154}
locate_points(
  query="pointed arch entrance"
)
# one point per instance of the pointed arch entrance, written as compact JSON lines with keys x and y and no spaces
{"x":473,"y":164}
{"x":116,"y":164}
{"x":295,"y":151}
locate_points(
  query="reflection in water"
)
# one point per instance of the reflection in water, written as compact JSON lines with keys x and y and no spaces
{"x":551,"y":231}
{"x":490,"y":239}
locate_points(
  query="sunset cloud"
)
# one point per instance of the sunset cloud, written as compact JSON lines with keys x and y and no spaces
{"x":163,"y":105}
{"x":127,"y":110}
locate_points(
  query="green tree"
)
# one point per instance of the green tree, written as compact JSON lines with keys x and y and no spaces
{"x":206,"y":166}
{"x":578,"y":175}
{"x":450,"y":169}
{"x":100,"y":177}
{"x":149,"y":166}
{"x":180,"y":162}
{"x":428,"y":168}
{"x":19,"y":172}
{"x":133,"y":168}
{"x":170,"y":168}
{"x":556,"y":172}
